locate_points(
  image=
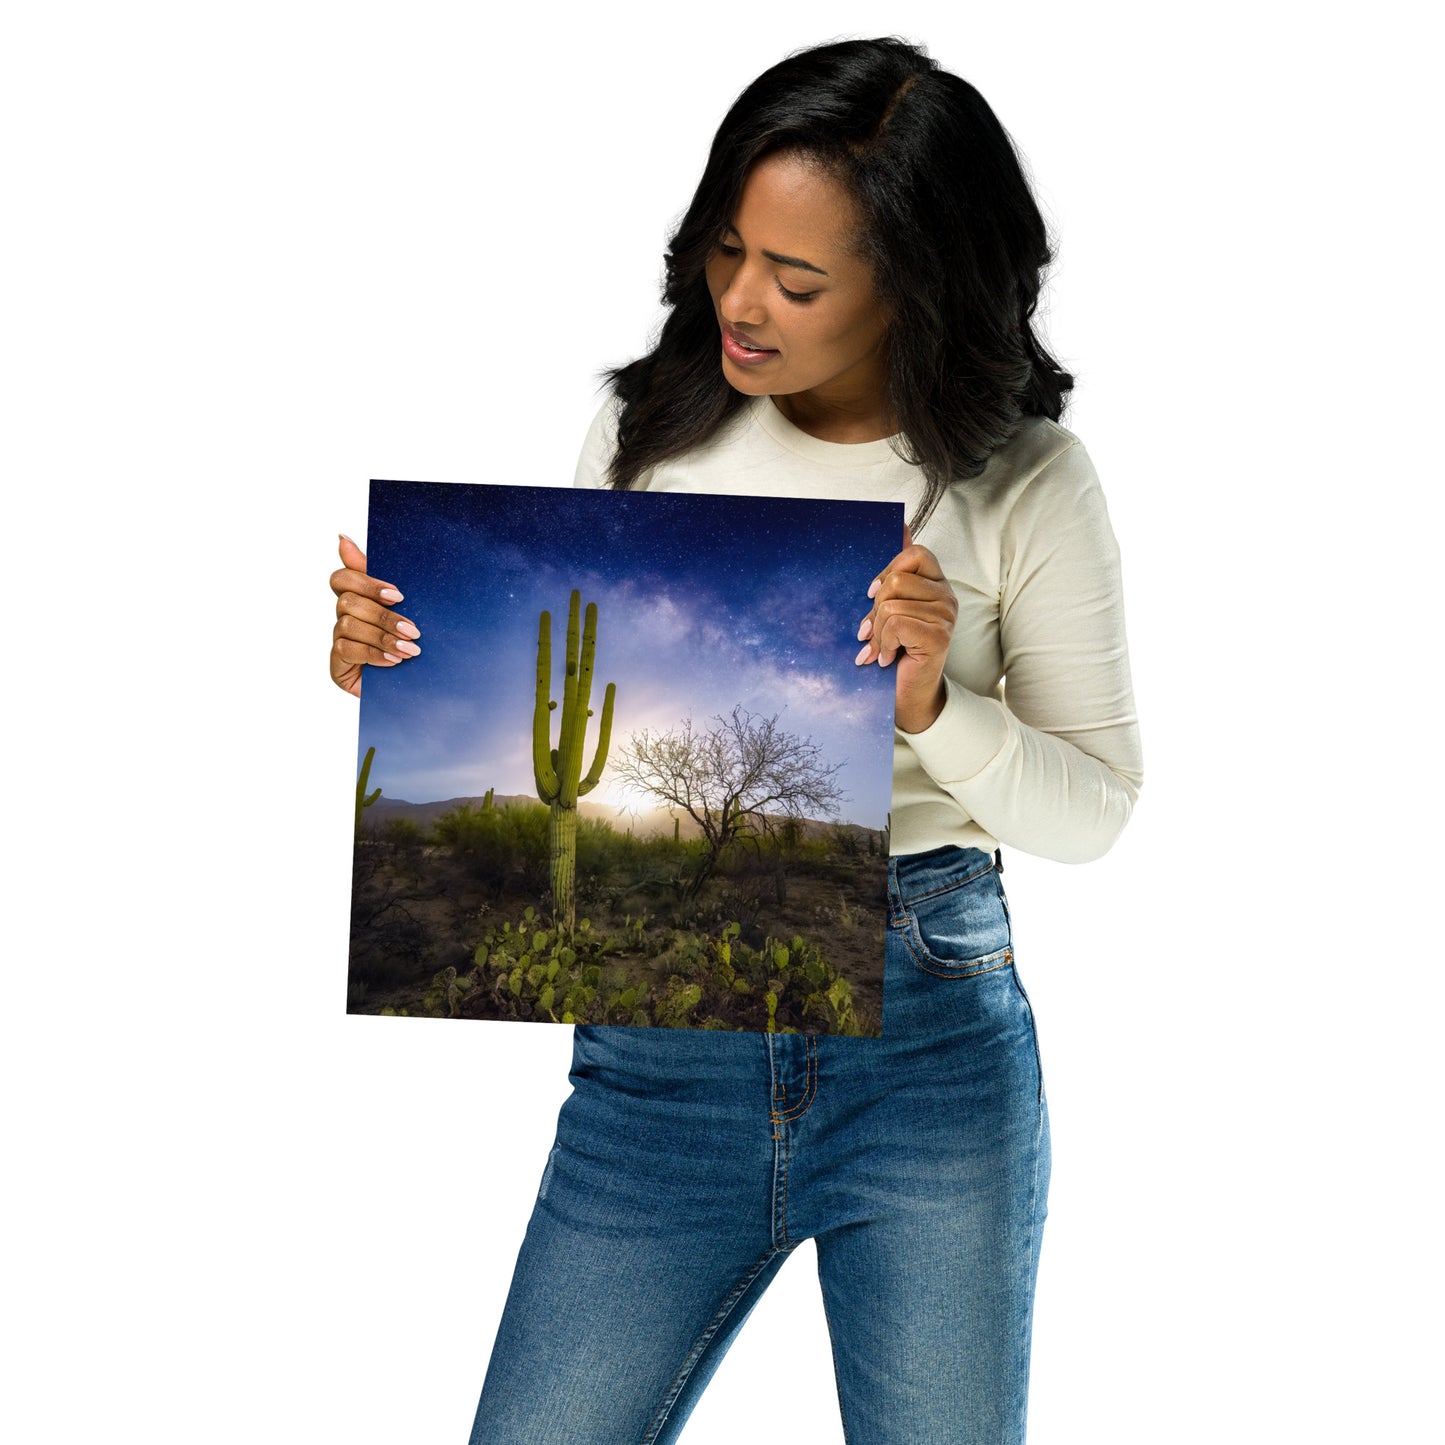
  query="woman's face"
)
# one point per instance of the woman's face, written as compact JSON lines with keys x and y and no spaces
{"x":796,"y":306}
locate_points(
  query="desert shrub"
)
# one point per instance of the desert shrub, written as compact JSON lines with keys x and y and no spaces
{"x":742,"y":904}
{"x":523,"y":837}
{"x":506,"y":846}
{"x":464,"y":828}
{"x":387,"y":944}
{"x":402,"y":833}
{"x":602,"y":850}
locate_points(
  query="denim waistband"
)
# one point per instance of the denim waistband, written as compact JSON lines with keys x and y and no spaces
{"x":912,"y":876}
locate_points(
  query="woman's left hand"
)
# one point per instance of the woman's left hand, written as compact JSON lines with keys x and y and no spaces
{"x":914,"y":610}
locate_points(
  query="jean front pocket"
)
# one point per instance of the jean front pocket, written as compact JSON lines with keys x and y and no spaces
{"x":961,"y":929}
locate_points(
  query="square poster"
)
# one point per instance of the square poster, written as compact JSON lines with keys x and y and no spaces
{"x":634,"y":776}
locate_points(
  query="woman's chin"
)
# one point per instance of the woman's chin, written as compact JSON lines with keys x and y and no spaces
{"x":745,"y":381}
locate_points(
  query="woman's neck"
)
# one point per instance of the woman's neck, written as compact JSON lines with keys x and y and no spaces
{"x":836,"y":419}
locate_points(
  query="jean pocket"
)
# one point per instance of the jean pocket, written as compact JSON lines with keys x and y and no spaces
{"x":960,"y":930}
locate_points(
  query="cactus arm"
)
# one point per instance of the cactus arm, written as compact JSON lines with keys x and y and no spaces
{"x":544,"y":760}
{"x":362,"y":799}
{"x":569,"y":704}
{"x":576,"y":724}
{"x":604,"y":736}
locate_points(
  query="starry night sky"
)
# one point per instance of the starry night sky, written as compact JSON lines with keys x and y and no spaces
{"x":703,"y":602}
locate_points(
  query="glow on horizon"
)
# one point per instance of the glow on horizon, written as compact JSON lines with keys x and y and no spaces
{"x":703,"y":603}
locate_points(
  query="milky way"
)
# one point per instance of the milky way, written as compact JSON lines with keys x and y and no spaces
{"x":703,"y":602}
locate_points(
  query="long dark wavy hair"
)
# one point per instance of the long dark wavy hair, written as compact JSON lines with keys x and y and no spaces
{"x":950,"y":228}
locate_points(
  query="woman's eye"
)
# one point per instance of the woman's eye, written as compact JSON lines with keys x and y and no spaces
{"x":796,"y":295}
{"x":725,"y":249}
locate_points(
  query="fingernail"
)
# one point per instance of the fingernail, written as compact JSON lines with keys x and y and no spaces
{"x":345,"y":538}
{"x":866,"y":630}
{"x":390,"y":594}
{"x":863,"y":654}
{"x":410,"y":648}
{"x":391,"y":657}
{"x":877,"y":583}
{"x":407,"y":630}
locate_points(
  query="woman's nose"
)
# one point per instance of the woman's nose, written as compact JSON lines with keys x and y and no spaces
{"x":741,"y":303}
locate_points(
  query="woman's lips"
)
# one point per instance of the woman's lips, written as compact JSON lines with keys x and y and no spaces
{"x":740,"y":348}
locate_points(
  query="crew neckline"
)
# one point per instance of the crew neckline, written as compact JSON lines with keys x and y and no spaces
{"x":831,"y":454}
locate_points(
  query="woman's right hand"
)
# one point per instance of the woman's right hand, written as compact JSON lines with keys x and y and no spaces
{"x":367,"y":630}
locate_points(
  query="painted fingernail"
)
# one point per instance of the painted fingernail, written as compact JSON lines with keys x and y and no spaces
{"x":407,"y":630}
{"x":391,"y":657}
{"x":390,"y":594}
{"x":410,"y":648}
{"x":877,"y":583}
{"x":866,"y":630}
{"x":863,"y":654}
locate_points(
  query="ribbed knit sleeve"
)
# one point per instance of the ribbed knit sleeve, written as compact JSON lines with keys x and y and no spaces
{"x":1056,"y":766}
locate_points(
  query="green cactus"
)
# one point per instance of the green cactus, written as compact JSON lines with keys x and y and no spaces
{"x":558,"y":770}
{"x":487,"y":805}
{"x":362,"y":800}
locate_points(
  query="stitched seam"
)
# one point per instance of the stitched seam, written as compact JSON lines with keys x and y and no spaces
{"x":780,"y":1093}
{"x":688,"y":1365}
{"x":946,"y":888}
{"x":781,"y":1159}
{"x":810,"y":1084}
{"x":787,"y":1169}
{"x":1024,"y":1332}
{"x":778,"y":1212}
{"x":1034,"y":1033}
{"x":1004,"y":962}
{"x":966,"y":967}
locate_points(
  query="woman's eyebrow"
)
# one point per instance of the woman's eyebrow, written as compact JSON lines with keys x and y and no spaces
{"x":794,"y":261}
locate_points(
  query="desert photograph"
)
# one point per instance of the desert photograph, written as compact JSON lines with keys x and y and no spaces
{"x":634,"y":776}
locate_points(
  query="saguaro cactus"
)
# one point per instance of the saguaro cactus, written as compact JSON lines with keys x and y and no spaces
{"x":362,"y":800}
{"x":559,"y":770}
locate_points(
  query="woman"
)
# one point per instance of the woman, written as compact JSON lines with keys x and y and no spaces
{"x":850,"y":297}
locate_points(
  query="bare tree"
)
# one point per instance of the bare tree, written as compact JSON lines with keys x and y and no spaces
{"x":732,"y":778}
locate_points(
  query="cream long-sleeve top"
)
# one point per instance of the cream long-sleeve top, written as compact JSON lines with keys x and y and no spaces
{"x":1037,"y":746}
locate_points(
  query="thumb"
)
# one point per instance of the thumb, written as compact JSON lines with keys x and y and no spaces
{"x":907,"y":535}
{"x":351,"y":555}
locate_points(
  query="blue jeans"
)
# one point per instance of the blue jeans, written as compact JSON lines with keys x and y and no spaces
{"x":689,"y":1164}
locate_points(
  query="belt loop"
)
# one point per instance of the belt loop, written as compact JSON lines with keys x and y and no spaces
{"x":998,"y":859}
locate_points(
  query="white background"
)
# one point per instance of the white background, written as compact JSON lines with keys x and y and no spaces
{"x":257,"y":254}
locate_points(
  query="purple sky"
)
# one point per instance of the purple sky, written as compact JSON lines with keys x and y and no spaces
{"x":703,"y":602}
